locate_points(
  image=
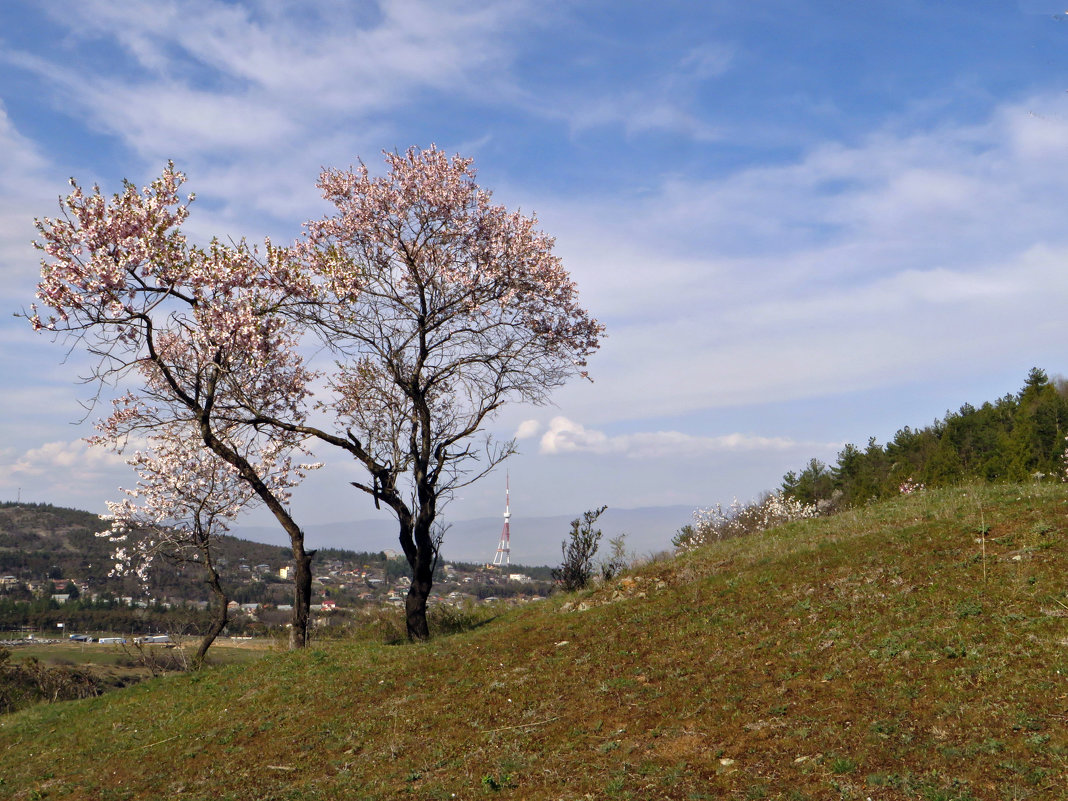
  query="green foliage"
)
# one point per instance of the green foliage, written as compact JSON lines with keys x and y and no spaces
{"x":578,"y":551}
{"x":1016,"y":438}
{"x":446,"y":619}
{"x":101,"y":615}
{"x":685,"y":535}
{"x":617,"y":561}
{"x":813,"y":484}
{"x":496,"y":783}
{"x":841,"y":765}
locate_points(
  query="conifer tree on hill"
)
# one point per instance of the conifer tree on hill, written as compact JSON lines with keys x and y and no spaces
{"x":1018,"y":437}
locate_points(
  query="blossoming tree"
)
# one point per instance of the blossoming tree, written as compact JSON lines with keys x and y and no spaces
{"x":185,"y":498}
{"x":440,"y":307}
{"x":195,"y":333}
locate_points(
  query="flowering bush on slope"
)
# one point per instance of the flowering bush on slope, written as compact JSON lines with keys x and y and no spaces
{"x":716,"y":523}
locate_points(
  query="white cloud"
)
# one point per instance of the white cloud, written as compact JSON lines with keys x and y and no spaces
{"x":252,"y":100}
{"x":24,"y":175}
{"x":565,"y":436}
{"x":709,"y":60}
{"x":69,"y":456}
{"x":218,"y":76}
{"x":662,"y":103}
{"x":640,"y":112}
{"x":527,"y":429}
{"x":163,"y":118}
{"x":61,"y":464}
{"x":63,"y":473}
{"x":899,"y":258}
{"x":22,"y":160}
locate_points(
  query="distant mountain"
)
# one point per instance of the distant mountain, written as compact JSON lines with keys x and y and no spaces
{"x":41,"y":541}
{"x":38,"y":540}
{"x":535,"y":540}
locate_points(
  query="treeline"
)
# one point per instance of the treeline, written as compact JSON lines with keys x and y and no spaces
{"x":511,"y":589}
{"x":1016,"y":438}
{"x":111,"y":615}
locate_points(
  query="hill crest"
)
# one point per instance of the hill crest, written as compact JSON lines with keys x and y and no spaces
{"x":909,"y":649}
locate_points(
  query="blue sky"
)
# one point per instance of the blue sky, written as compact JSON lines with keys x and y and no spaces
{"x":803,"y":223}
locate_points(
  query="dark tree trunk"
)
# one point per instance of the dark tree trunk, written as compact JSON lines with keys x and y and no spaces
{"x":302,"y":577}
{"x":218,"y":621}
{"x":298,"y":635}
{"x":423,"y":559}
{"x":415,"y":605}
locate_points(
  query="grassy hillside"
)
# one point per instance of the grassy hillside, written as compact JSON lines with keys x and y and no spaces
{"x":914,"y":649}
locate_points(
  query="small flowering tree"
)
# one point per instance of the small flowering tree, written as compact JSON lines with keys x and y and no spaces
{"x":441,"y":308}
{"x":909,"y":487}
{"x":184,"y":500}
{"x":195,"y":331}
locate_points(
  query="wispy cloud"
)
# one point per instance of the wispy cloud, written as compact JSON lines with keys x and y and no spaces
{"x":25,"y":183}
{"x":252,"y":100}
{"x":565,"y":436}
{"x":60,"y":463}
{"x":850,"y":268}
{"x":663,"y":102}
{"x":220,"y":76}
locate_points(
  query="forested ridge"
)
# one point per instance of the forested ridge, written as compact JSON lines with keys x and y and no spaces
{"x":1015,"y":438}
{"x":39,"y":541}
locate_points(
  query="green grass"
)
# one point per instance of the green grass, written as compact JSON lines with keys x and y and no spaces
{"x":71,"y":654}
{"x":896,"y":651}
{"x":95,"y":654}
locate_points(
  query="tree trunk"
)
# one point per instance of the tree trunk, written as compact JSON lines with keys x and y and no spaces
{"x":302,"y":576}
{"x":218,"y":622}
{"x":422,"y":581}
{"x":298,"y":635}
{"x":415,"y":610}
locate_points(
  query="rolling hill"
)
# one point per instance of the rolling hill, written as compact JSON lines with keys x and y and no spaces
{"x":914,"y":648}
{"x":41,"y":541}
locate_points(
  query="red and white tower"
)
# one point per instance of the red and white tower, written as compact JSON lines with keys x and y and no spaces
{"x":504,"y":548}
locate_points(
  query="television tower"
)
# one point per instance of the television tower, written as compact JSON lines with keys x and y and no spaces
{"x":504,"y":548}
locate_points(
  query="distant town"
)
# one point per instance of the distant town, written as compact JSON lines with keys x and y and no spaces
{"x":57,"y":576}
{"x":343,"y":585}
